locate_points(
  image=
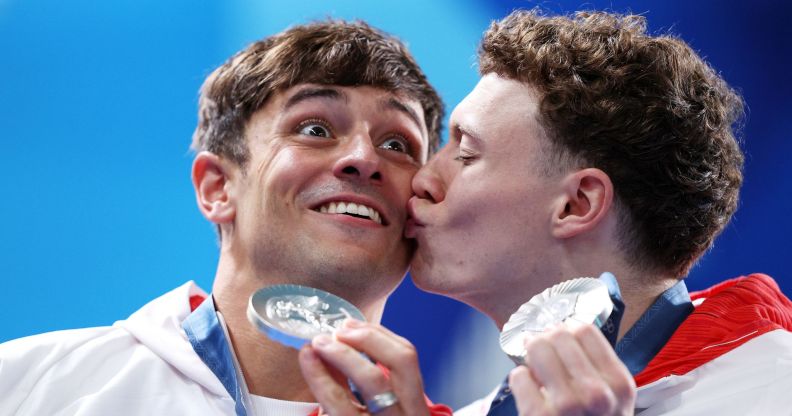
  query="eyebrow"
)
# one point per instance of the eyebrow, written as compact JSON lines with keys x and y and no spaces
{"x":467,"y":131}
{"x":312,"y":93}
{"x":394,"y":104}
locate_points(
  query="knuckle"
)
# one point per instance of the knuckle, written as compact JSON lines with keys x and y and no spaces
{"x":557,"y":334}
{"x":626,"y":391}
{"x":598,"y":400}
{"x":365,"y":331}
{"x":336,"y":394}
{"x":408,"y":353}
{"x":514,"y":374}
{"x":567,"y":405}
{"x":400,"y":339}
{"x":585,"y":331}
{"x":622,"y":384}
{"x":534,"y":411}
{"x":537,"y":411}
{"x":374,"y":378}
{"x":536,"y":344}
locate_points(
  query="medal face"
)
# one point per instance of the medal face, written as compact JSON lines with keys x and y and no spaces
{"x":293,"y":314}
{"x":580,"y":301}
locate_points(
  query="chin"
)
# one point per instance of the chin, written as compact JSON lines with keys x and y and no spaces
{"x":428,"y":279}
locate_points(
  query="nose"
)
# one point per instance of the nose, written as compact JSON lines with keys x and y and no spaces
{"x":360,"y":161}
{"x":428,"y":183}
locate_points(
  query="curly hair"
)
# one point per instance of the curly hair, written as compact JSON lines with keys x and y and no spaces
{"x":648,"y":111}
{"x":331,"y":52}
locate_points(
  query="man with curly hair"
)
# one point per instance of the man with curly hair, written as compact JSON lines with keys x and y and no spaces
{"x":591,"y":146}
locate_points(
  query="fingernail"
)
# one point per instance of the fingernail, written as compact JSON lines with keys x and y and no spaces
{"x":350,"y":332}
{"x":309,"y":355}
{"x":353,"y":323}
{"x":322,"y":340}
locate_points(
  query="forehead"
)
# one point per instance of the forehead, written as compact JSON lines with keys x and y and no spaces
{"x":501,"y":97}
{"x":499,"y":109}
{"x":350,"y":96}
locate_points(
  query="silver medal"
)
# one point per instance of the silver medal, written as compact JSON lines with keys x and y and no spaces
{"x":293,"y":314}
{"x":580,"y":301}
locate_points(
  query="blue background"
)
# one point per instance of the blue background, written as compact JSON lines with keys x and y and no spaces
{"x":98,"y":103}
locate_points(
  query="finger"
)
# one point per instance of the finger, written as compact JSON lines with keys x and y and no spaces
{"x":592,"y":392}
{"x":526,"y":391}
{"x":367,"y":377}
{"x":548,"y":370}
{"x":397,"y":354}
{"x":335,"y":398}
{"x":607,"y":363}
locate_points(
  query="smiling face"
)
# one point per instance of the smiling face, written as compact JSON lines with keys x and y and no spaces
{"x":484,"y":203}
{"x":322,"y":200}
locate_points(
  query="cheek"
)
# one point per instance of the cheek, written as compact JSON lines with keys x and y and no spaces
{"x":485,"y":217}
{"x":402,"y":183}
{"x":467,"y":203}
{"x":284,"y":171}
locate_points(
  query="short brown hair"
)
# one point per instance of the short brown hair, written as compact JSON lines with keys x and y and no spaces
{"x":330,"y":52}
{"x":646,"y":110}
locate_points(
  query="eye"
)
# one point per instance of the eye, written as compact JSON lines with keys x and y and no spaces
{"x":396,"y":144}
{"x":314,"y":128}
{"x":465,"y":158}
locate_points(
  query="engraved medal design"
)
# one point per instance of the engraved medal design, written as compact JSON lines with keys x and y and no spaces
{"x":580,"y":301}
{"x":293,"y":314}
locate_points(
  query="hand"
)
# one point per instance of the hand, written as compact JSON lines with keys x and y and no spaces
{"x":327,"y":362}
{"x":572,"y":372}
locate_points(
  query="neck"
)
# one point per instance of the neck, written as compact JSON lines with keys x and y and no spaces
{"x":270,"y":369}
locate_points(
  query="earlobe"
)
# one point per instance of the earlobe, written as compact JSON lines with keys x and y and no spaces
{"x":586,"y":200}
{"x":211,"y":180}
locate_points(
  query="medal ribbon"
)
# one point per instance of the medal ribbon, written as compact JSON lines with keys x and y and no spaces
{"x":208,"y":339}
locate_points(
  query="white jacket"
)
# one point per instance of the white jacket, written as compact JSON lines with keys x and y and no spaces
{"x":140,"y":366}
{"x":753,"y":379}
{"x":732,"y":356}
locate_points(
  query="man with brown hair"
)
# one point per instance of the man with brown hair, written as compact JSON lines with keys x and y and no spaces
{"x":591,"y":146}
{"x":306,"y":144}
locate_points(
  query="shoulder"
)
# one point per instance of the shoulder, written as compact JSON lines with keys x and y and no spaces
{"x":754,"y":378}
{"x":137,"y":366}
{"x":36,"y":364}
{"x":39,"y":352}
{"x":43,"y":349}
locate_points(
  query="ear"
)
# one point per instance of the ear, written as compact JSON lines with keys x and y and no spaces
{"x":211,"y":177}
{"x":586,"y":200}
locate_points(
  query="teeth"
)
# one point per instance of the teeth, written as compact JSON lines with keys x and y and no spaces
{"x":351,"y":208}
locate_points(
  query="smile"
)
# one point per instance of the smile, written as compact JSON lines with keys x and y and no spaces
{"x":352,"y":209}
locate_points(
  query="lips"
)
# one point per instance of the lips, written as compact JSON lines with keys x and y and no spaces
{"x":413,"y":223}
{"x":354,"y":209}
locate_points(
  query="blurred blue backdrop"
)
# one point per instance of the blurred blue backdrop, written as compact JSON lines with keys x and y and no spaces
{"x":98,"y":103}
